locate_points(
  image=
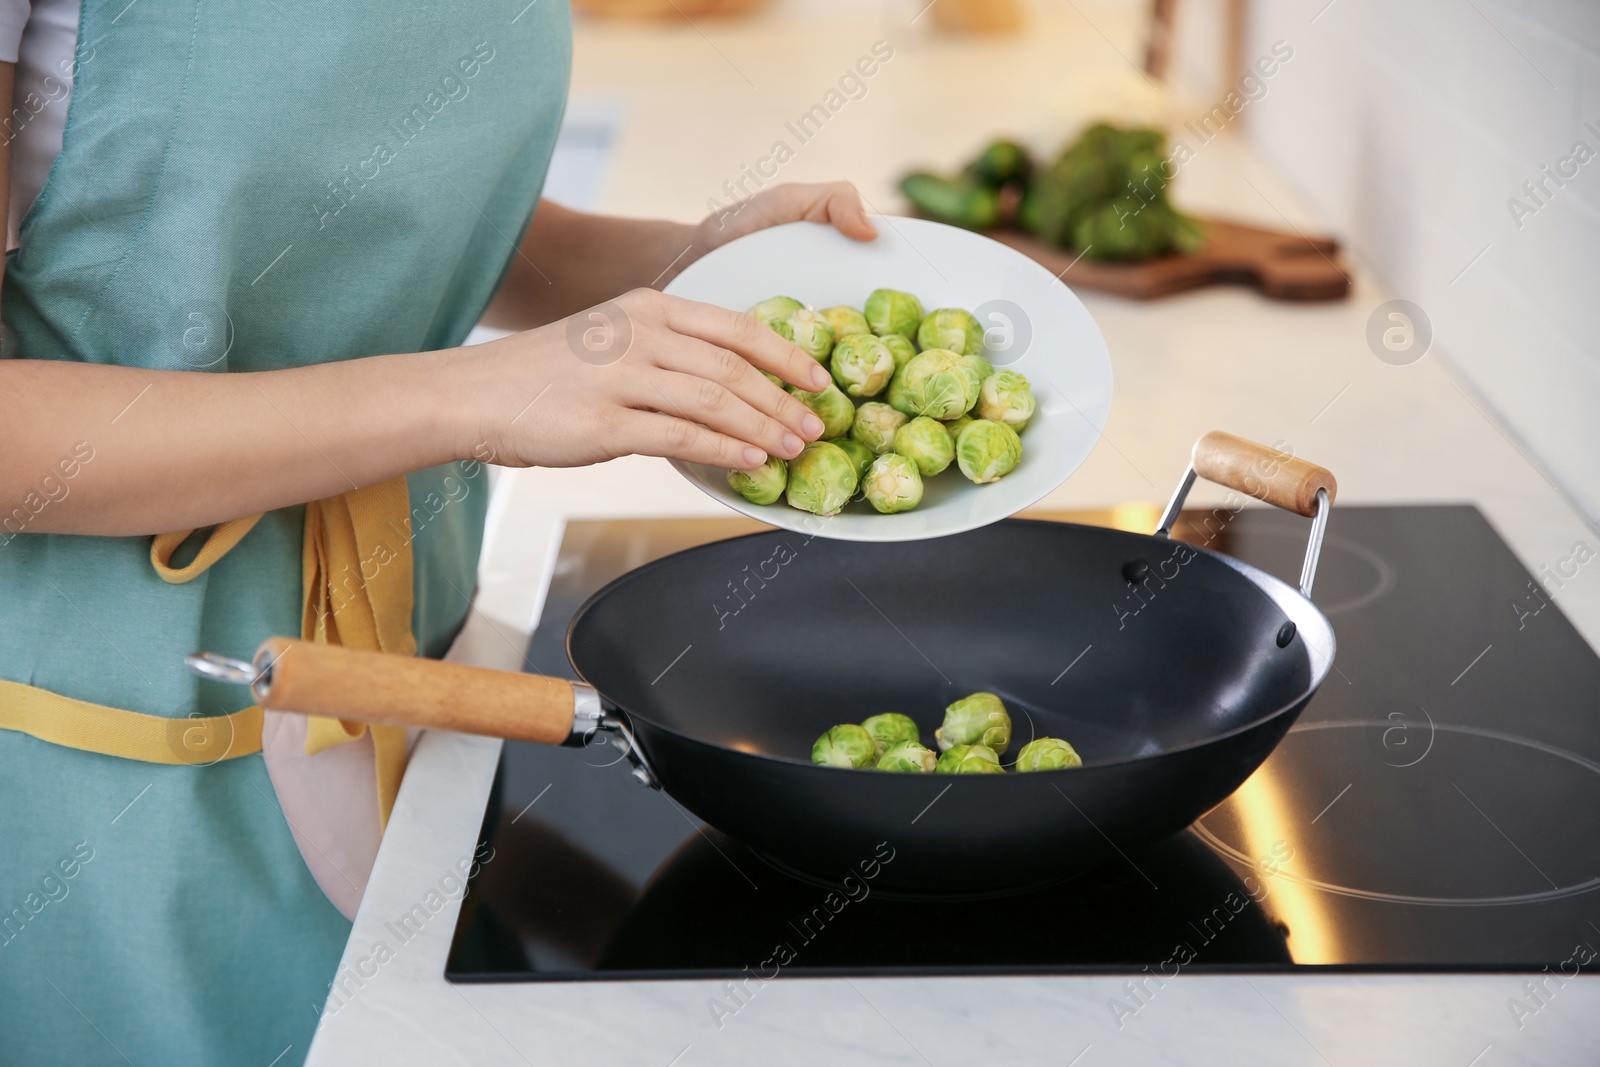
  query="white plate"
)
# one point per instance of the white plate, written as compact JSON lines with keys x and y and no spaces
{"x":1035,"y":325}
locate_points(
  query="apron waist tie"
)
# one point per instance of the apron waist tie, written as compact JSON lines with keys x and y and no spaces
{"x":357,"y":589}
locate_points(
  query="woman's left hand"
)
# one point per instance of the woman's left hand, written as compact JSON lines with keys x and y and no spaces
{"x":835,"y":203}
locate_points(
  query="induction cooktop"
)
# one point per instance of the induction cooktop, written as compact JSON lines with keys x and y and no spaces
{"x":1435,"y":807}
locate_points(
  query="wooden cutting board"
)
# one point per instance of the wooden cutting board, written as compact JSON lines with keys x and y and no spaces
{"x":1283,"y":266}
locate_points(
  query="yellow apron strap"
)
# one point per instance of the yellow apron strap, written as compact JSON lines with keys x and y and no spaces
{"x":128,"y":734}
{"x":218,"y":544}
{"x":356,"y":571}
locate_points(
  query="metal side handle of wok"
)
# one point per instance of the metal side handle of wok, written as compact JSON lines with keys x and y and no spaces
{"x":378,"y":687}
{"x":1267,"y":474}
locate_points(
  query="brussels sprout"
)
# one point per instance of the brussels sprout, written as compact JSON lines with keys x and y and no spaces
{"x":1047,"y":754}
{"x":951,"y":328}
{"x":987,"y":451}
{"x":811,"y":332}
{"x":955,"y":426}
{"x":875,"y":426}
{"x":890,"y":727}
{"x":1006,"y":397}
{"x":893,"y":484}
{"x":861,"y":365}
{"x":780,"y":327}
{"x":845,"y":321}
{"x":901,"y":349}
{"x":926,"y":443}
{"x":829,"y":405}
{"x":775,"y":308}
{"x":969,"y":759}
{"x":891,"y":311}
{"x":895,"y":395}
{"x":822,"y":479}
{"x":937,"y":384}
{"x":764,"y":485}
{"x":908,"y":757}
{"x":859,"y":454}
{"x":848,"y":745}
{"x":979,"y":719}
{"x":980,"y":366}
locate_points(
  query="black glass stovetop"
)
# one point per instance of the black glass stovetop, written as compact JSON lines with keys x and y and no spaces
{"x":1436,"y":806}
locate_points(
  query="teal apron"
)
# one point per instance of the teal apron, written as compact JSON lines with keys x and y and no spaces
{"x":243,"y":187}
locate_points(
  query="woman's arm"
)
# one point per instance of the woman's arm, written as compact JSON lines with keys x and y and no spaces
{"x":570,"y":260}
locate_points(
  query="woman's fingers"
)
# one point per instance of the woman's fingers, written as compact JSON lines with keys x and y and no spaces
{"x":835,"y":203}
{"x":727,"y":367}
{"x":650,"y":433}
{"x":759,"y":345}
{"x":711,"y":404}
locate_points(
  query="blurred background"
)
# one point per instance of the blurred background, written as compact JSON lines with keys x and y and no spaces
{"x":1446,"y":147}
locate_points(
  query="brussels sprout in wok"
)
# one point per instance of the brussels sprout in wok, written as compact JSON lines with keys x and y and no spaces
{"x":937,"y":384}
{"x":890,"y":727}
{"x":765,"y":484}
{"x":978,"y":719}
{"x":848,"y":745}
{"x":812,"y":333}
{"x":861,"y":365}
{"x":845,"y":321}
{"x":908,"y":757}
{"x":1006,"y":397}
{"x":775,"y":309}
{"x":831,"y":406}
{"x":926,"y":443}
{"x":875,"y":426}
{"x":987,"y":451}
{"x":891,"y":311}
{"x":951,"y":328}
{"x":859,"y":454}
{"x":969,"y":759}
{"x":893,"y":484}
{"x":822,"y":479}
{"x":1047,"y":754}
{"x":901,"y":349}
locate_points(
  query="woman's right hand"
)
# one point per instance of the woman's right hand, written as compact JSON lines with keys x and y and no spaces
{"x":647,"y":374}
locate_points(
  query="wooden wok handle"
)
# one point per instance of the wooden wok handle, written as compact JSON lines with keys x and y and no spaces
{"x":347,"y":683}
{"x":1264,"y":473}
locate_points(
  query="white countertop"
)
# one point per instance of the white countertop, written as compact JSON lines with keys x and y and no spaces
{"x":1221,"y":358}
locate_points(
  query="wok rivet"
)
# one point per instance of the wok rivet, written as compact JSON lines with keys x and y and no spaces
{"x":1285,"y":634}
{"x":1135,"y":571}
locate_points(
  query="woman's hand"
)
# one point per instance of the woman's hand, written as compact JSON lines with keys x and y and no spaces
{"x":836,"y":203}
{"x":647,"y":373}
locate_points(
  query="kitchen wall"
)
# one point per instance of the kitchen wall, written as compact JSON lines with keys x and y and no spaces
{"x":1456,"y":145}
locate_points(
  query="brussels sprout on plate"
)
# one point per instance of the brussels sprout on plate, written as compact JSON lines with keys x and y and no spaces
{"x":978,"y":719}
{"x":987,"y":451}
{"x":765,"y":484}
{"x":845,"y":321}
{"x":901,"y":349}
{"x":861,"y":365}
{"x":811,"y":333}
{"x":780,"y":327}
{"x":980,"y":366}
{"x":939,"y":385}
{"x":889,"y":727}
{"x":908,"y":757}
{"x":892,"y":484}
{"x":892,"y":311}
{"x":829,"y":405}
{"x":956,"y":425}
{"x":1006,"y":397}
{"x":859,"y":454}
{"x":848,"y":745}
{"x":875,"y":426}
{"x":1047,"y":754}
{"x":951,"y":328}
{"x":822,"y":479}
{"x":969,"y":759}
{"x":895,"y":395}
{"x":775,"y":309}
{"x":926,"y":443}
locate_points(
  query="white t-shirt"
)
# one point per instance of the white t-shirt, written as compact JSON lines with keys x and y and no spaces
{"x":40,"y":38}
{"x":330,"y":804}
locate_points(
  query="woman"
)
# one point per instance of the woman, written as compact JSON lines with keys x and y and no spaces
{"x":239,"y":411}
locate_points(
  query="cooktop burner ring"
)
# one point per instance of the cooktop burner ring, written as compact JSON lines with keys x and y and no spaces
{"x":1559,"y":893}
{"x":1383,"y":583}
